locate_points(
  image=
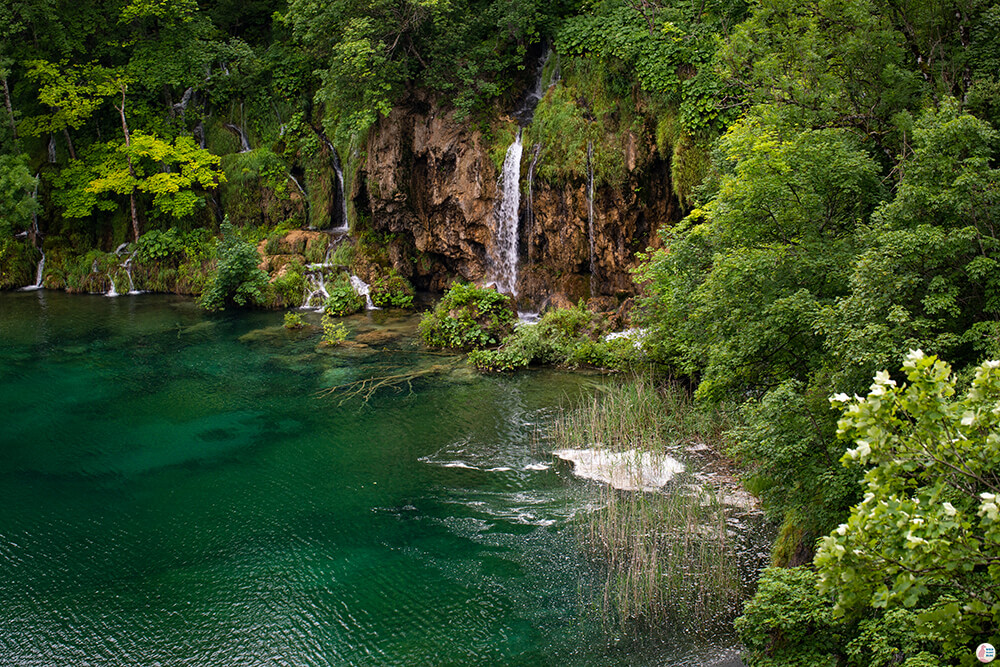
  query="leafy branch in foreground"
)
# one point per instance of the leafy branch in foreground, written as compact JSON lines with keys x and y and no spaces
{"x":927,"y":533}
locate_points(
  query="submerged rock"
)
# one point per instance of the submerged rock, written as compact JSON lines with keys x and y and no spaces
{"x":377,"y":337}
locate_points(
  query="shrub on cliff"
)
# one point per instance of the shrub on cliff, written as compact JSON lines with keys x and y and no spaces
{"x":469,"y":317}
{"x":237,"y":279}
{"x":392,"y":290}
{"x":344,"y":300}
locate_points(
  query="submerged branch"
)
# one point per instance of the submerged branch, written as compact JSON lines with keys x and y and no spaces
{"x":367,"y":387}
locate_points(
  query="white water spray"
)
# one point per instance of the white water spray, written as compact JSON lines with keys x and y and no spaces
{"x":363,"y":289}
{"x":338,"y":169}
{"x":503,"y":258}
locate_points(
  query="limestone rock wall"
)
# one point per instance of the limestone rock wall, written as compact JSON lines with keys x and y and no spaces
{"x":428,"y":183}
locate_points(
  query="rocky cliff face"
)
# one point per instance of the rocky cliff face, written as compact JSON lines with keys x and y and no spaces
{"x":428,"y":180}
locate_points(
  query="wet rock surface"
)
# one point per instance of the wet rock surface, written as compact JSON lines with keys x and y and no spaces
{"x":429,"y":183}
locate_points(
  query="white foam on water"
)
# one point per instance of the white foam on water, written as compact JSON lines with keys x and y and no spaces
{"x":629,"y":470}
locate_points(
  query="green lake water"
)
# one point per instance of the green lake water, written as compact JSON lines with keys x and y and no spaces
{"x":174,"y":491}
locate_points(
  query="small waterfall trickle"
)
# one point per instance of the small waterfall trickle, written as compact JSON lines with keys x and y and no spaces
{"x":590,"y":212}
{"x":37,"y":234}
{"x":239,"y":131}
{"x":504,"y":256}
{"x":316,"y":285}
{"x":342,"y":193}
{"x":127,"y":265}
{"x":529,"y":205}
{"x":111,"y":291}
{"x":363,"y":289}
{"x":298,"y":185}
{"x":52,"y":149}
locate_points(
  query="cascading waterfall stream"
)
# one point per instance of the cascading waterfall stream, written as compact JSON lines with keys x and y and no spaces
{"x":363,"y":289}
{"x":127,"y":265}
{"x":238,"y":130}
{"x":529,"y":208}
{"x":504,"y":255}
{"x":315,"y":276}
{"x":40,"y":269}
{"x":342,"y":193}
{"x":316,"y":284}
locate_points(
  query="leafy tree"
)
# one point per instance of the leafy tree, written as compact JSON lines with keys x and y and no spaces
{"x":830,"y":63}
{"x":736,"y":294}
{"x":237,"y":279}
{"x":173,"y":173}
{"x":928,"y":278}
{"x":17,"y":201}
{"x":927,"y":533}
{"x":736,"y":297}
{"x":72,"y":93}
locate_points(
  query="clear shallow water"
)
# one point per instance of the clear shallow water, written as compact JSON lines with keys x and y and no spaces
{"x":173,"y":491}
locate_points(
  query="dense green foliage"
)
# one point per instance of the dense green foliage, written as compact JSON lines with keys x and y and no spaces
{"x":469,"y":317}
{"x":849,"y":215}
{"x":237,"y":279}
{"x":927,"y":533}
{"x":570,"y":337}
{"x":911,"y":576}
{"x":392,"y":290}
{"x":344,"y":299}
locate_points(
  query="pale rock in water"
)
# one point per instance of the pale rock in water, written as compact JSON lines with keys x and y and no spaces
{"x":629,"y":470}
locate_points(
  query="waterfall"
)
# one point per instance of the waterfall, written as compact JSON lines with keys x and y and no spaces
{"x":244,"y":142}
{"x":590,"y":210}
{"x":315,"y":275}
{"x":503,"y":259}
{"x":37,"y":234}
{"x":343,"y":227}
{"x":503,"y":255}
{"x":362,"y":288}
{"x":529,"y":208}
{"x":317,"y":295}
{"x":52,"y":149}
{"x":127,"y":265}
{"x":297,"y":184}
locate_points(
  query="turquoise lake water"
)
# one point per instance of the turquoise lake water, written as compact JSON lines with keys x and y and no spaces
{"x":175,"y":491}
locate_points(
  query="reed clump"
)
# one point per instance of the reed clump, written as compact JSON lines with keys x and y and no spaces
{"x":668,"y":558}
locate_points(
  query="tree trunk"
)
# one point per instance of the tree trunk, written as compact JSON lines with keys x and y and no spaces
{"x":69,"y":144}
{"x":10,"y":109}
{"x":131,"y":169}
